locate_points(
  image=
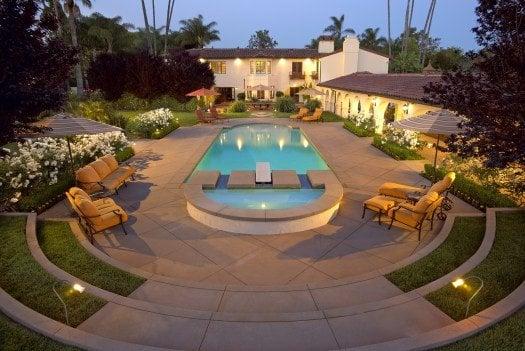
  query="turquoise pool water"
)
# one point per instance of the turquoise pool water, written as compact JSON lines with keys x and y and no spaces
{"x":266,"y":199}
{"x":239,"y":148}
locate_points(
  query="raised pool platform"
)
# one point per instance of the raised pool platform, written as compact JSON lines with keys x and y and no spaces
{"x":265,"y":221}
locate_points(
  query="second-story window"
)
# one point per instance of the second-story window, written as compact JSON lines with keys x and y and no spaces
{"x":218,"y":67}
{"x":260,"y":67}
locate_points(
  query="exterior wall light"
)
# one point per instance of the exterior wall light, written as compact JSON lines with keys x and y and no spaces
{"x":201,"y":60}
{"x":238,"y":61}
{"x":460,"y":282}
{"x":406,"y":107}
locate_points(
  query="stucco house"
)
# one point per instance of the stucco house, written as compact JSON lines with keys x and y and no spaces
{"x":263,"y":72}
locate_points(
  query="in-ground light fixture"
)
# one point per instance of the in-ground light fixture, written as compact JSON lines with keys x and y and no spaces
{"x":462,"y":282}
{"x":75,"y":287}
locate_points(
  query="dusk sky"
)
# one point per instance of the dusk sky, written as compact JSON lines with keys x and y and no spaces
{"x":294,"y":22}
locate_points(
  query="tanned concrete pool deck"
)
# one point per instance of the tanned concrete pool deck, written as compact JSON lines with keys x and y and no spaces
{"x":163,"y":239}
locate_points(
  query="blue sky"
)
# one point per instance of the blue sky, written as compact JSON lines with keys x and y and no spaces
{"x":294,"y":22}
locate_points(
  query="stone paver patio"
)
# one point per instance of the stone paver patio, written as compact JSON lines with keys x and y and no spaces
{"x":163,"y":239}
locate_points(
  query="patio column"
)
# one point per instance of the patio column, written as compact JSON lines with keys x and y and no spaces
{"x":355,"y":105}
{"x":379,"y":114}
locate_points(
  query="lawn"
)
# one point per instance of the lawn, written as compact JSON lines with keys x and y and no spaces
{"x":26,"y":281}
{"x":62,"y":248}
{"x":502,"y":271}
{"x":462,"y":242}
{"x":185,"y":118}
{"x":15,"y":337}
{"x":328,"y":116}
{"x":507,"y":335}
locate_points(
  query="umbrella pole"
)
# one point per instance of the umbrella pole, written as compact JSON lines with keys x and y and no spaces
{"x":435,"y":158}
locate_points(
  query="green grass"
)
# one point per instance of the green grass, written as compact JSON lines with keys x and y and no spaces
{"x":62,"y":248}
{"x":15,"y":337}
{"x":502,"y":271}
{"x":331,"y":117}
{"x":507,"y":335}
{"x":475,"y":194}
{"x":278,"y":114}
{"x":185,"y":118}
{"x":359,"y":131}
{"x":462,"y":242}
{"x":395,"y":151}
{"x":236,"y":114}
{"x":26,"y":281}
{"x":125,"y":154}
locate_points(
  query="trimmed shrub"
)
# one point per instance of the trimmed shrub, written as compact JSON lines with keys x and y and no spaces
{"x":312,"y":104}
{"x":279,"y":94}
{"x":395,"y":150}
{"x":241,"y":96}
{"x":358,"y":130}
{"x":477,"y":195}
{"x":238,"y":106}
{"x":130,"y":102}
{"x":285,"y":104}
{"x":154,"y":124}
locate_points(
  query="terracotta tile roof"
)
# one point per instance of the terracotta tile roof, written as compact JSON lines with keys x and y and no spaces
{"x":213,"y":53}
{"x":408,"y":86}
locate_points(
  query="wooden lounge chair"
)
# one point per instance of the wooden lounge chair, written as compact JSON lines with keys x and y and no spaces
{"x":103,"y":174}
{"x":303,"y":112}
{"x":95,"y":215}
{"x":202,"y":118}
{"x":214,"y":114}
{"x":316,"y":117}
{"x":415,"y":215}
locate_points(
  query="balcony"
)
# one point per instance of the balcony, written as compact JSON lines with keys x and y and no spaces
{"x":314,"y":75}
{"x":297,"y":75}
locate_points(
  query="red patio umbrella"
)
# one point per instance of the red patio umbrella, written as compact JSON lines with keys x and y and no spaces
{"x":203,"y":92}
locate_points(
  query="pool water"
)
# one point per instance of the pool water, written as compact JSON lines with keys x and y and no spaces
{"x":239,"y":148}
{"x":265,"y":199}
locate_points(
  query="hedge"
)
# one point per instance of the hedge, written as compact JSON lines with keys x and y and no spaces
{"x":394,"y":150}
{"x":359,"y":131}
{"x":471,"y":192}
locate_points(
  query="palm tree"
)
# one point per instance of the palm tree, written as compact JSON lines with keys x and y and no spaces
{"x":110,"y":31}
{"x":154,"y":29}
{"x":73,"y":11}
{"x":169,"y":14}
{"x":369,"y":39}
{"x":426,"y":32}
{"x":336,"y":30}
{"x":146,"y":26}
{"x":389,"y":32}
{"x":195,"y":33}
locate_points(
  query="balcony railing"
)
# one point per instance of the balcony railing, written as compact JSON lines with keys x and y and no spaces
{"x":297,"y":75}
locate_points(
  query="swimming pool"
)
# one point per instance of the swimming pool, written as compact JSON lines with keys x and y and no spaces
{"x":240,"y":147}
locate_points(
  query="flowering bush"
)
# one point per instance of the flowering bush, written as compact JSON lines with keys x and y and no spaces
{"x":406,"y":138}
{"x":509,"y":180}
{"x":153,"y":123}
{"x":44,"y":161}
{"x":363,"y":121}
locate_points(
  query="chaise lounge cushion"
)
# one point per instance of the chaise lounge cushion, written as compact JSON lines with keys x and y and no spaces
{"x":76,"y":192}
{"x":425,"y":201}
{"x":101,"y":168}
{"x":443,"y":184}
{"x":398,"y":190}
{"x":89,"y":210}
{"x":412,"y":214}
{"x":88,"y":178}
{"x":117,"y":177}
{"x":111,"y":161}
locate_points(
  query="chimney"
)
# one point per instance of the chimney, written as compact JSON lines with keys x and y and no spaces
{"x":326,"y":45}
{"x":351,"y":54}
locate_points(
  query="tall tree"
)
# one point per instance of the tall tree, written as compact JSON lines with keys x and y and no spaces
{"x":34,"y":66}
{"x":337,"y":31}
{"x":146,"y":26}
{"x":491,"y":93}
{"x":169,"y":14}
{"x":408,"y":23}
{"x":370,"y":39}
{"x":196,"y":34}
{"x":99,"y":33}
{"x":389,"y":30}
{"x":73,"y":12}
{"x":426,"y":31}
{"x":261,"y":39}
{"x":154,"y":28}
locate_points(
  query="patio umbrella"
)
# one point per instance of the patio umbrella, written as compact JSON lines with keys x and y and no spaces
{"x":440,"y":122}
{"x":311,"y":92}
{"x":203,"y":92}
{"x":65,"y":126}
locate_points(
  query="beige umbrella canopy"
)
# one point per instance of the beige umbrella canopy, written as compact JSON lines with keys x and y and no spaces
{"x":440,"y":122}
{"x":311,"y":92}
{"x":65,"y":126}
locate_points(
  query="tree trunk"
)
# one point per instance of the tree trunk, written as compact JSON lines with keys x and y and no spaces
{"x":146,"y":25}
{"x":389,"y":32}
{"x":154,"y":31}
{"x":74,"y":42}
{"x":57,"y":17}
{"x":405,"y":32}
{"x":168,"y":22}
{"x":426,"y":31}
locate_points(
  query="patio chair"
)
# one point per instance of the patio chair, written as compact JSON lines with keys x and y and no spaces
{"x":315,"y":117}
{"x":415,"y":215}
{"x":214,"y":114}
{"x":407,"y":192}
{"x":202,"y":118}
{"x":95,"y":216}
{"x":303,"y":112}
{"x":103,"y":175}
